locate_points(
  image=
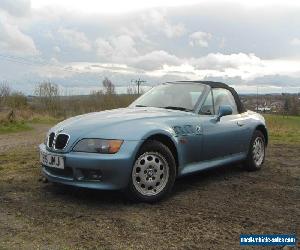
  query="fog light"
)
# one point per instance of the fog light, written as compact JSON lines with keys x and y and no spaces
{"x":91,"y":174}
{"x":95,"y":175}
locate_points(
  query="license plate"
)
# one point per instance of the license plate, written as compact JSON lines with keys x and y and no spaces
{"x":50,"y":160}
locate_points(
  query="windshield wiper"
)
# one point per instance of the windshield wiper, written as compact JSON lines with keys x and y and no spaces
{"x":177,"y":108}
{"x":142,"y":106}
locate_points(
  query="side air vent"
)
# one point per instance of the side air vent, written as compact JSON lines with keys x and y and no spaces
{"x":61,"y":141}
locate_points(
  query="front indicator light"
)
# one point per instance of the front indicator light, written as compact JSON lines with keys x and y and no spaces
{"x":114,"y":146}
{"x":98,"y":146}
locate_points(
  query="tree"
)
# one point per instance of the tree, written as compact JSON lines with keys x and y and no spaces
{"x":5,"y":92}
{"x":17,"y":100}
{"x":48,"y":94}
{"x":131,"y":90}
{"x":109,"y":87}
{"x":294,"y":105}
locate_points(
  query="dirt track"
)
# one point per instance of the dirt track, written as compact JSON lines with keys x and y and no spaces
{"x":206,"y":211}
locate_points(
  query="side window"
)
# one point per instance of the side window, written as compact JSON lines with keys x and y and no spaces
{"x":208,"y":106}
{"x":224,"y":97}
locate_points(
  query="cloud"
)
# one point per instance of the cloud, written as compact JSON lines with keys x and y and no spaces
{"x":13,"y":40}
{"x":295,"y":42}
{"x":222,"y":43}
{"x":155,"y":60}
{"x":158,"y":20}
{"x":122,"y":49}
{"x":124,"y":46}
{"x":56,"y":49}
{"x":104,"y":49}
{"x":219,"y":61}
{"x":15,"y":7}
{"x":116,"y":49}
{"x":75,"y":39}
{"x":173,"y":31}
{"x":277,"y":80}
{"x":157,"y":43}
{"x":200,"y":39}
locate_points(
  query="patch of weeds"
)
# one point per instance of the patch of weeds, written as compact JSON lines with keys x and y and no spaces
{"x":283,"y":130}
{"x":44,"y":120}
{"x":13,"y":127}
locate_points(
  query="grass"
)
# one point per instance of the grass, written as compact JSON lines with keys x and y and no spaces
{"x":44,"y":119}
{"x":25,"y":124}
{"x":283,"y":130}
{"x":14,"y":127}
{"x":17,"y":159}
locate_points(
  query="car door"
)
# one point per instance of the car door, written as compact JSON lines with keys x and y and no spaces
{"x":226,"y":136}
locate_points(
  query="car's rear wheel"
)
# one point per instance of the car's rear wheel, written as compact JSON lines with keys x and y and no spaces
{"x":256,"y":154}
{"x":153,"y":173}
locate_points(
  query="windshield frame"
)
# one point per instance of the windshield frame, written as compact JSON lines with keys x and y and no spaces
{"x":199,"y":101}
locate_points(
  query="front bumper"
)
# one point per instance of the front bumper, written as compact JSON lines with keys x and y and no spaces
{"x":115,"y":169}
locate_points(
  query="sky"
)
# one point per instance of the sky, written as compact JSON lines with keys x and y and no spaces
{"x":249,"y":45}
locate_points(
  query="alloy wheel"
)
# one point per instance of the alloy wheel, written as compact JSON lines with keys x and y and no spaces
{"x":150,"y":173}
{"x":258,"y":151}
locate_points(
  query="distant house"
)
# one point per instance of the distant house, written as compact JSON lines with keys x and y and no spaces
{"x":277,"y":105}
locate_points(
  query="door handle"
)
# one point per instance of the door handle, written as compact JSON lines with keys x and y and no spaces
{"x":239,"y":123}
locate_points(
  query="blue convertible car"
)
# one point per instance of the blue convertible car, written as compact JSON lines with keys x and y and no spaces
{"x":173,"y":130}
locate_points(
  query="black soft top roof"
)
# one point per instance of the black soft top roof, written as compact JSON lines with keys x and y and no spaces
{"x":212,"y":84}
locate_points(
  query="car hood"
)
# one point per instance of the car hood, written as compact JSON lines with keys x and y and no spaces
{"x":99,"y":123}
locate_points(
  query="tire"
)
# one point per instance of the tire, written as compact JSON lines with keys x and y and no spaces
{"x":257,"y":152}
{"x":153,"y":173}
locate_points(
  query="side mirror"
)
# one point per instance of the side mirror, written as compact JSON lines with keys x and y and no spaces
{"x":223,"y":111}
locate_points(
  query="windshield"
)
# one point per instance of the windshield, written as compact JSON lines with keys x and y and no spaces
{"x":180,"y":96}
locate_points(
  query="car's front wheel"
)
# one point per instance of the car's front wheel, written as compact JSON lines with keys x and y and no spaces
{"x":256,"y":154}
{"x":153,"y":173}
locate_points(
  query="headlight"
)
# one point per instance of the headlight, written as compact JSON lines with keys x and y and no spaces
{"x":98,"y":146}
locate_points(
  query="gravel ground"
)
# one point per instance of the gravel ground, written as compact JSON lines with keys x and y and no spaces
{"x":208,"y":210}
{"x":27,"y":139}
